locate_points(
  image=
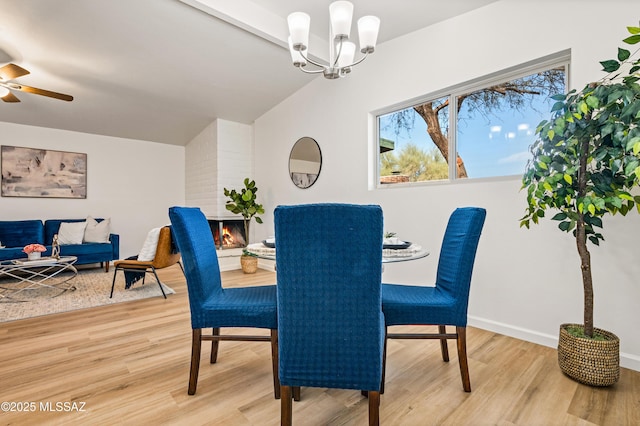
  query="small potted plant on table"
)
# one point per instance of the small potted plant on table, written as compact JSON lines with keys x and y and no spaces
{"x":585,"y":165}
{"x":244,"y":203}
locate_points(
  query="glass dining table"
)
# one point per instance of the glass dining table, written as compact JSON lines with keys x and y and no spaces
{"x":267,"y":251}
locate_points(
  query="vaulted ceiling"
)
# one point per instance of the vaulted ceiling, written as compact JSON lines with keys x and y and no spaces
{"x":162,"y":70}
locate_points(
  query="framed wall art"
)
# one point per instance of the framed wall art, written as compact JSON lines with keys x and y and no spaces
{"x":43,"y":173}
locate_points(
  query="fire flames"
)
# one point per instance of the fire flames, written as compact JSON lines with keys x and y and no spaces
{"x":227,"y":238}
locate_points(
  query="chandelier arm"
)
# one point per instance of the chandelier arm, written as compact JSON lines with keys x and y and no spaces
{"x":310,"y":71}
{"x":335,"y":62}
{"x":311,"y":61}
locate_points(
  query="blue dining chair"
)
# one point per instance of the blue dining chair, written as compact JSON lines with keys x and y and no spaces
{"x":445,"y":303}
{"x":330,"y":322}
{"x":213,"y":306}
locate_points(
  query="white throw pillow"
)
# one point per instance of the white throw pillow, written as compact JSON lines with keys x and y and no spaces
{"x":71,"y":232}
{"x":148,"y":250}
{"x":97,"y":232}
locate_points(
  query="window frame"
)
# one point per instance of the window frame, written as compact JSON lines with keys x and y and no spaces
{"x":562,"y":58}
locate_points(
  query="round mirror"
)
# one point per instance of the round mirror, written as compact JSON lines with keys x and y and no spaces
{"x":305,"y":162}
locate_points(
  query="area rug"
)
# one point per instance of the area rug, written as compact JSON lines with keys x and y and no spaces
{"x":92,"y":288}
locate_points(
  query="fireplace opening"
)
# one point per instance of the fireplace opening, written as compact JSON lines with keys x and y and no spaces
{"x":228,"y":233}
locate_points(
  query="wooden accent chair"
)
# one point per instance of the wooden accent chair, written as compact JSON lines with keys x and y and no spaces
{"x":447,"y":302}
{"x":213,"y":306}
{"x":163,"y":258}
{"x":330,"y":323}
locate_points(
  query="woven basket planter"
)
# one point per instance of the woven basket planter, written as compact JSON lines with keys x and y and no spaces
{"x":592,"y":362}
{"x":249,"y":264}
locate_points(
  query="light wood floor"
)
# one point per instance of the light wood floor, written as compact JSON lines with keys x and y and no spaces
{"x":129,"y":364}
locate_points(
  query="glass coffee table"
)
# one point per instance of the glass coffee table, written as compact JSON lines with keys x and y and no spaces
{"x":22,"y":280}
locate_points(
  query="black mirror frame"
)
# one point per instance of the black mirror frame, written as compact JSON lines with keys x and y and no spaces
{"x":317,"y":175}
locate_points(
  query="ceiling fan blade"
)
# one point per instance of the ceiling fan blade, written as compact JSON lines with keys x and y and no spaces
{"x":11,"y":71}
{"x":10,"y":97}
{"x":43,"y":92}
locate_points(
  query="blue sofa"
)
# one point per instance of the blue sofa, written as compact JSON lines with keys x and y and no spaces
{"x":16,"y":234}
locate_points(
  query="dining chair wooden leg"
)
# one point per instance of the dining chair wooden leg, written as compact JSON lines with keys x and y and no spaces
{"x":196,"y":346}
{"x":296,"y":393}
{"x":374,"y":408}
{"x":274,"y":363}
{"x":444,"y":348}
{"x":462,"y":358}
{"x":286,"y":406}
{"x":214,"y":345}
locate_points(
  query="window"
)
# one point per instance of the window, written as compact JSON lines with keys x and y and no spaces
{"x":488,"y":124}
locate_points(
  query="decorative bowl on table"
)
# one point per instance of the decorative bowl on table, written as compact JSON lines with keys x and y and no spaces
{"x":269,"y":242}
{"x":395,"y":243}
{"x":403,"y":245}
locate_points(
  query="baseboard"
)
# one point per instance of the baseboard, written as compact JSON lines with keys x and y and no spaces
{"x":629,"y":361}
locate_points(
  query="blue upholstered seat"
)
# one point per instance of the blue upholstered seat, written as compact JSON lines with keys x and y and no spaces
{"x":447,"y":302}
{"x":213,"y":306}
{"x":330,"y":322}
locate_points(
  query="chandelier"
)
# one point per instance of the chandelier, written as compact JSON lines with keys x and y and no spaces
{"x":341,"y":50}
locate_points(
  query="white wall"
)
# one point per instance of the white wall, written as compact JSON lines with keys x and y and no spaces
{"x":133,"y":182}
{"x":525,"y":283}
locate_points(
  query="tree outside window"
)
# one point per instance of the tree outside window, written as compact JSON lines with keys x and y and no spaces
{"x":492,"y":124}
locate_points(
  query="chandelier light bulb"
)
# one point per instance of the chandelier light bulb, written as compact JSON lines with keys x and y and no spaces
{"x":299,"y":29}
{"x":347,"y":54}
{"x":341,"y":13}
{"x":368,"y":27}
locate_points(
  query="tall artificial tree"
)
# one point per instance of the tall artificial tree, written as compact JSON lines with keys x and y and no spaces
{"x":586,"y":159}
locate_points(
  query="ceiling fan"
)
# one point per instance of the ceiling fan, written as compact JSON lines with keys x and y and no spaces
{"x":12,"y":71}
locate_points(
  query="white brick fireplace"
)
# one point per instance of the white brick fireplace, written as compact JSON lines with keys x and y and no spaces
{"x":219,"y":157}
